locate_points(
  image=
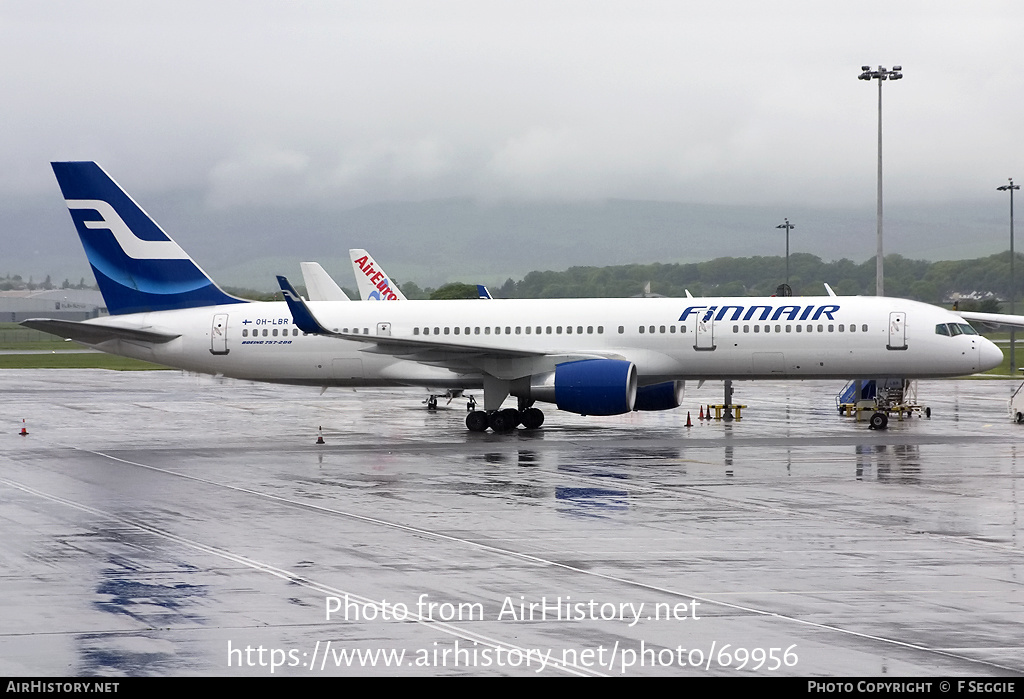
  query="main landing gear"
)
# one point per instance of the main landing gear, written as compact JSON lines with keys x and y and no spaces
{"x":504,"y":420}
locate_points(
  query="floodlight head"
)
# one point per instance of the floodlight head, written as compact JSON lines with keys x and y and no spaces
{"x":865,"y":68}
{"x":897,"y":67}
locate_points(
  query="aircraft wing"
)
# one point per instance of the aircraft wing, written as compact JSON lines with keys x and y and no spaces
{"x":498,"y":361}
{"x":94,"y":333}
{"x":993,"y":318}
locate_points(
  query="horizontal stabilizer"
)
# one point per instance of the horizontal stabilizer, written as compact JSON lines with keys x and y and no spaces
{"x":94,"y":334}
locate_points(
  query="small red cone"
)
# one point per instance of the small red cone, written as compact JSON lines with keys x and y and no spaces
{"x":709,"y":412}
{"x":701,"y":417}
{"x":688,"y":423}
{"x":24,"y":432}
{"x":320,"y":436}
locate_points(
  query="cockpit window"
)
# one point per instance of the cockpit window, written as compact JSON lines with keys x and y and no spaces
{"x":953,"y":329}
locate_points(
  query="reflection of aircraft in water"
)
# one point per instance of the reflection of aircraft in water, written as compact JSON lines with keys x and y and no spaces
{"x":894,"y":463}
{"x":586,"y":356}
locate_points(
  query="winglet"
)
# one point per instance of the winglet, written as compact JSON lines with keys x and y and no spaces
{"x":301,"y":315}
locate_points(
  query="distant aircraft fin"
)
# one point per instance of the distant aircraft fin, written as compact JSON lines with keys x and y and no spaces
{"x":319,"y":285}
{"x":373,"y":283}
{"x":829,"y":290}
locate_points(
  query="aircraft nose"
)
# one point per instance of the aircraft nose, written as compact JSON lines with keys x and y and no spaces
{"x":990,"y":355}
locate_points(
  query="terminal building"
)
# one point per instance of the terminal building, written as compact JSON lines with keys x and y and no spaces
{"x":59,"y":304}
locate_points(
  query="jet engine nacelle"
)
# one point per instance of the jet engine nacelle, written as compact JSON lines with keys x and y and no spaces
{"x":585,"y":387}
{"x":660,"y":396}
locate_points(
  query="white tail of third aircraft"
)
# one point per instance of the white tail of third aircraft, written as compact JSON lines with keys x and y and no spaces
{"x":319,"y":284}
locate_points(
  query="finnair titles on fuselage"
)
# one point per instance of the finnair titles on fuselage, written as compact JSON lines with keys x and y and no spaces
{"x":587,"y":356}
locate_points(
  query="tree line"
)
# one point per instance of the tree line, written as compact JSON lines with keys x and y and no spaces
{"x":985,"y":279}
{"x":931,"y":282}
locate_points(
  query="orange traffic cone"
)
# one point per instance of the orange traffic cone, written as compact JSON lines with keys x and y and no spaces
{"x":701,"y":417}
{"x":688,"y":423}
{"x":24,"y":432}
{"x":320,"y":435}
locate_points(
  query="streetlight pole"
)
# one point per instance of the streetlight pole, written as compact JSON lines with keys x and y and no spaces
{"x":880,"y":75}
{"x":1013,"y":290}
{"x":788,"y":226}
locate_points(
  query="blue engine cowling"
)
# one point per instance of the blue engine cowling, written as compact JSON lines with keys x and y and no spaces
{"x":660,"y":396}
{"x":587,"y":387}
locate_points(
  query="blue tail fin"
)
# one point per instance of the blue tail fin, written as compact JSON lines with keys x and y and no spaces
{"x":137,"y":266}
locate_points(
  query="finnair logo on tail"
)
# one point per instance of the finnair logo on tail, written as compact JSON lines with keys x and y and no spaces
{"x":287,"y":293}
{"x":132,"y":245}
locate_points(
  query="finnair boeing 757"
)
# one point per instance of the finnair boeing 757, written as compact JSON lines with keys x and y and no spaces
{"x":586,"y":356}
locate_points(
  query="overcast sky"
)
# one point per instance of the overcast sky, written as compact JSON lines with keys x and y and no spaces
{"x":344,"y":103}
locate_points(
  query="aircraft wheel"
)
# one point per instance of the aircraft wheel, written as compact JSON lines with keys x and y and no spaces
{"x":879,"y":421}
{"x":504,"y":420}
{"x":432,"y":403}
{"x":927,"y":412}
{"x":533,"y":418}
{"x":1020,"y":418}
{"x":514,"y":416}
{"x":476,"y":421}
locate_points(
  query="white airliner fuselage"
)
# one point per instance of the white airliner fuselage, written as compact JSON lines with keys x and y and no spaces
{"x":667,"y":339}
